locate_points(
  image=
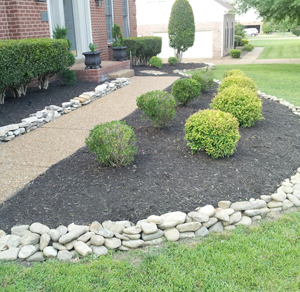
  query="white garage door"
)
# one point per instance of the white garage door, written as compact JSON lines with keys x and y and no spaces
{"x":202,"y":48}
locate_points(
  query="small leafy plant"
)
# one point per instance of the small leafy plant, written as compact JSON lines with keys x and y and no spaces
{"x":68,"y":76}
{"x":241,"y":102}
{"x":92,"y":47}
{"x":235,"y":53}
{"x":172,"y":61}
{"x":158,"y":106}
{"x":248,"y":47}
{"x":244,"y":42}
{"x":241,"y":81}
{"x":117,"y":36}
{"x":155,"y":62}
{"x":114,"y":143}
{"x":186,"y":90}
{"x":233,"y":72}
{"x":213,"y":131}
{"x":205,"y":77}
{"x":237,"y":40}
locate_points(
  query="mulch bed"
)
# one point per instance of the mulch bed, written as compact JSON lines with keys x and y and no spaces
{"x":164,"y":177}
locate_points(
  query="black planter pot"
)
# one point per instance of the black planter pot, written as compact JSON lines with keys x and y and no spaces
{"x":119,"y":53}
{"x":92,"y":60}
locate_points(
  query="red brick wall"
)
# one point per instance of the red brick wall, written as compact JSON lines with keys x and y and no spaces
{"x":3,"y":21}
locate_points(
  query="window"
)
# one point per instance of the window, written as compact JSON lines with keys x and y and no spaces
{"x":109,"y":19}
{"x":232,"y":35}
{"x":226,"y":36}
{"x":125,"y":19}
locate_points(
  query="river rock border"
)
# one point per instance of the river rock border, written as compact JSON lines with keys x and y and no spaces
{"x":50,"y":113}
{"x":37,"y":242}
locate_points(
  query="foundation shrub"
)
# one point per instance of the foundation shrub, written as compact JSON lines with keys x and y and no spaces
{"x":237,"y":40}
{"x":186,"y":90}
{"x":68,"y":76}
{"x":244,"y":42}
{"x":158,"y":106}
{"x":248,"y":47}
{"x":205,"y":77}
{"x":242,"y":103}
{"x":241,"y":81}
{"x":155,"y":62}
{"x":114,"y":143}
{"x":172,"y":61}
{"x":212,"y":131}
{"x":235,"y":53}
{"x":233,"y":72}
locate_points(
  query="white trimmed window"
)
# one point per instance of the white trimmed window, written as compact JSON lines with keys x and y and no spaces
{"x":109,"y":19}
{"x":125,"y":19}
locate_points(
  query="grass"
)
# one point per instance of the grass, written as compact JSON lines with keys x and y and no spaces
{"x":280,"y":80}
{"x":272,"y":36}
{"x":278,"y":48}
{"x":257,"y":258}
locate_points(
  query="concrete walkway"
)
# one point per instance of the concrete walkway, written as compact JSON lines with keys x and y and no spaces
{"x":28,"y":156}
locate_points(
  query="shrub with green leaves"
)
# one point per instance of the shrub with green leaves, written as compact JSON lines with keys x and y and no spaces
{"x":237,"y":40}
{"x":241,"y":81}
{"x":186,"y":90}
{"x":239,"y":30}
{"x":235,"y":53}
{"x":296,"y":31}
{"x":248,"y":47}
{"x":114,"y":143}
{"x":233,"y":72}
{"x":172,"y":61}
{"x":244,"y":42}
{"x":242,"y":103}
{"x":155,"y":62}
{"x":213,"y":131}
{"x":158,"y":106}
{"x":205,"y":77}
{"x":68,"y":76}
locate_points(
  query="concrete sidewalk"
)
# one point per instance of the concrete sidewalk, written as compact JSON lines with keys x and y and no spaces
{"x":29,"y":155}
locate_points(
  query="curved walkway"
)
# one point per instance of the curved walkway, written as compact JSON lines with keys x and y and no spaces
{"x":28,"y":156}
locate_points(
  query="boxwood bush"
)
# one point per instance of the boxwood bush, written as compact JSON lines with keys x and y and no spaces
{"x":244,"y":42}
{"x":241,"y":102}
{"x":142,"y":49}
{"x":248,"y":47}
{"x":158,"y":106}
{"x":235,"y":53}
{"x":186,"y":90}
{"x":172,"y":61}
{"x":233,"y":72}
{"x":241,"y":81}
{"x":114,"y":143}
{"x":25,"y":59}
{"x":205,"y":77}
{"x":155,"y":62}
{"x":237,"y":40}
{"x":213,"y":131}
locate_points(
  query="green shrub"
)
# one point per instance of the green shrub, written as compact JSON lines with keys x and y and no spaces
{"x":244,"y":42}
{"x":158,"y":106}
{"x":233,"y":72}
{"x":142,"y":49}
{"x":114,"y":143}
{"x":214,"y":131}
{"x":234,"y":53}
{"x":172,"y":61}
{"x":155,"y":62}
{"x":117,"y":36}
{"x":185,"y":90}
{"x":68,"y":76}
{"x":241,"y":81}
{"x":205,"y":77}
{"x":296,"y":31}
{"x":248,"y":47}
{"x":237,"y":40}
{"x":242,"y":103}
{"x":239,"y":30}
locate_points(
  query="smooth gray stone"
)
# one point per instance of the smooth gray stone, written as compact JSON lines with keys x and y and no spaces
{"x":280,"y":196}
{"x":203,"y":231}
{"x":50,"y":252}
{"x":218,"y":227}
{"x":86,"y":237}
{"x":159,"y":233}
{"x":112,"y":243}
{"x":132,"y":230}
{"x":229,"y":211}
{"x":64,"y":255}
{"x":62,"y":230}
{"x":149,"y":228}
{"x":244,"y":221}
{"x":10,"y":241}
{"x":58,"y":246}
{"x":30,"y":238}
{"x":95,"y":226}
{"x":222,"y":215}
{"x":72,"y":235}
{"x":97,"y":240}
{"x":19,"y":230}
{"x":230,"y":227}
{"x":294,"y":200}
{"x":172,"y":219}
{"x":198,"y":217}
{"x":133,"y":243}
{"x":139,"y":223}
{"x":241,"y":206}
{"x":188,"y":227}
{"x":36,"y":257}
{"x":234,"y":218}
{"x":12,"y":127}
{"x":74,"y":227}
{"x":208,"y":210}
{"x":154,"y":241}
{"x":105,"y":233}
{"x":39,"y":228}
{"x":3,"y":131}
{"x":287,"y":204}
{"x":252,"y":213}
{"x":264,"y":211}
{"x":82,"y":248}
{"x":117,"y":226}
{"x":54,"y":234}
{"x":121,"y":236}
{"x":133,"y":236}
{"x":154,"y":219}
{"x":9,"y":255}
{"x":2,"y":233}
{"x":274,"y":204}
{"x":172,"y":234}
{"x":210,"y":222}
{"x":44,"y":241}
{"x":258,"y":204}
{"x":189,"y":234}
{"x":26,"y":251}
{"x":224,"y":204}
{"x":99,"y":250}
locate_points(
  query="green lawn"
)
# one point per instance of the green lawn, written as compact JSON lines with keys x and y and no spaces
{"x":258,"y":258}
{"x":281,"y":80}
{"x":278,"y":48}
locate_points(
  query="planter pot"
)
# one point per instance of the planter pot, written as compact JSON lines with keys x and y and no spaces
{"x":119,"y":53}
{"x":92,"y":60}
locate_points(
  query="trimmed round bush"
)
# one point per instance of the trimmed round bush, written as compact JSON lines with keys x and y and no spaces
{"x":242,"y":103}
{"x":114,"y":143}
{"x":155,"y":62}
{"x":233,"y":72}
{"x":235,"y":53}
{"x":186,"y":90}
{"x":244,"y":42}
{"x":172,"y":61}
{"x":248,"y":47}
{"x":213,"y":131}
{"x":204,"y":77}
{"x":241,"y":81}
{"x":158,"y":106}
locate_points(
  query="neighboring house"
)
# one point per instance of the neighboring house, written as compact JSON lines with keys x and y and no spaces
{"x":87,"y":23}
{"x":251,"y":19}
{"x":214,"y":21}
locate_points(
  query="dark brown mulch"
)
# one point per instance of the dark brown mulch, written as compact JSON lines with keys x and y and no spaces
{"x":164,"y":176}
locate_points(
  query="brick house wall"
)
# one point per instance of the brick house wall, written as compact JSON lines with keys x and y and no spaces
{"x":4,"y":34}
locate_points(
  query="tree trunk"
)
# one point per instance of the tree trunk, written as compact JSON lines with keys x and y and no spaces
{"x":179,"y":55}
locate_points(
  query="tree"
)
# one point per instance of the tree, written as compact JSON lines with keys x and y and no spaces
{"x":271,"y":9}
{"x":239,"y":30}
{"x":181,"y":27}
{"x":268,"y":26}
{"x":282,"y":25}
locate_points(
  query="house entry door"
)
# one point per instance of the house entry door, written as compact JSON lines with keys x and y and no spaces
{"x":69,"y":23}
